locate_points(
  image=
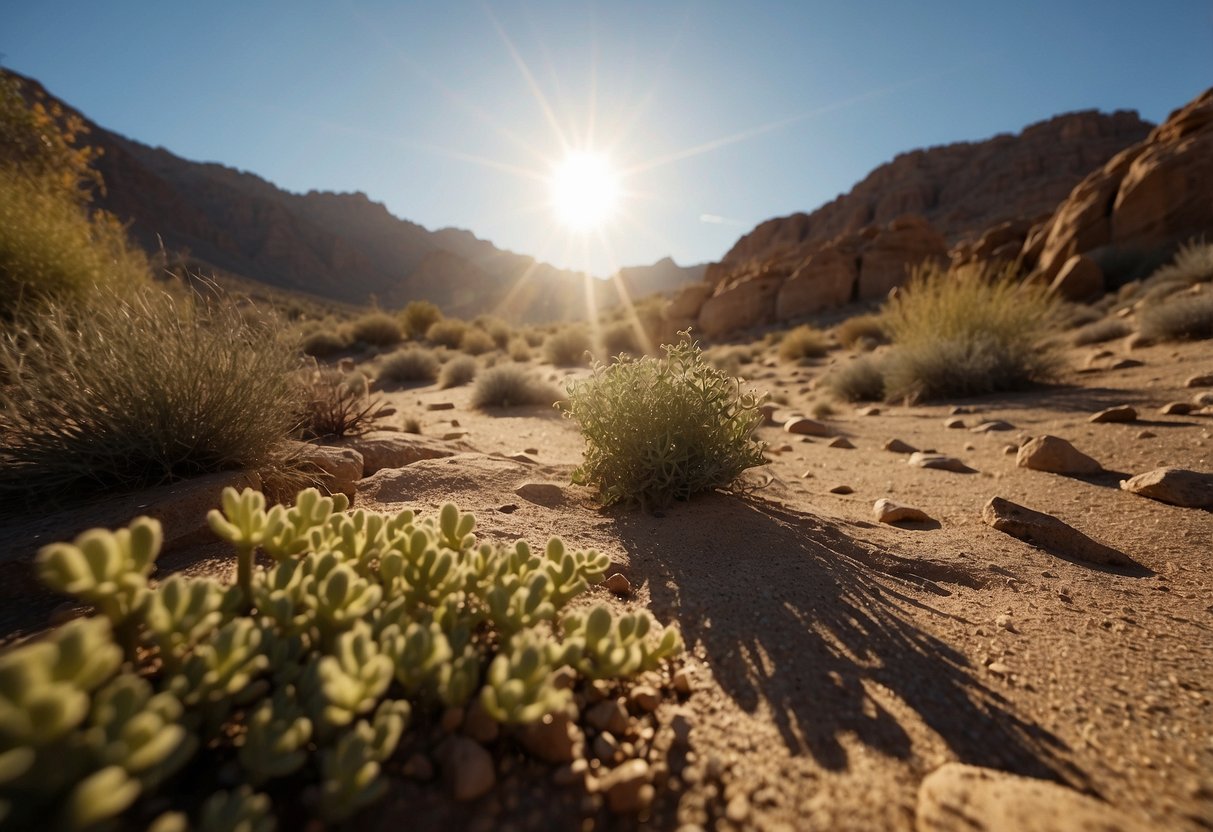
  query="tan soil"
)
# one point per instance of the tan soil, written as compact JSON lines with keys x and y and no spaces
{"x":838,"y":661}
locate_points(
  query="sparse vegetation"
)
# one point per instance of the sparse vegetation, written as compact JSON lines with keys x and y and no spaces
{"x":447,"y":333}
{"x":1193,"y":263}
{"x":1107,"y":329}
{"x":1184,"y":317}
{"x":495,"y":328}
{"x":377,"y":329}
{"x":858,"y":380}
{"x":861,"y":332}
{"x":509,"y":385}
{"x":476,"y":342}
{"x":323,"y":343}
{"x":408,"y":365}
{"x":457,"y":372}
{"x":296,"y":684}
{"x":621,"y":337}
{"x":567,"y":347}
{"x":662,"y":429}
{"x":336,"y":404}
{"x":803,"y":342}
{"x":137,"y":392}
{"x":418,"y":316}
{"x":518,"y":349}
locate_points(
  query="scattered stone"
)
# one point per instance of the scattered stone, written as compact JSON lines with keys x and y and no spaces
{"x":738,"y":809}
{"x":1055,"y":455}
{"x":1120,"y":413}
{"x":1203,"y":399}
{"x":870,"y":410}
{"x":1004,"y":621}
{"x":1080,"y":278}
{"x":955,"y":423}
{"x":387,"y":449}
{"x":508,"y":508}
{"x":418,"y":767}
{"x":451,"y":719}
{"x":1047,"y":532}
{"x":605,"y":747}
{"x":969,"y":446}
{"x":962,"y":798}
{"x":1010,"y":449}
{"x":898,"y":447}
{"x":999,"y":668}
{"x":1177,"y":408}
{"x":467,"y":768}
{"x":992,"y":426}
{"x":556,"y":738}
{"x":609,"y":715}
{"x":1146,"y":434}
{"x":807,"y":427}
{"x":454,"y":434}
{"x":339,"y":468}
{"x":1202,"y":380}
{"x":841,"y":442}
{"x":523,"y":458}
{"x":1125,"y":364}
{"x":888,"y":511}
{"x":942,"y":462}
{"x":645,"y":698}
{"x":478,"y":724}
{"x":1176,"y":486}
{"x":960,"y":410}
{"x":682,"y":681}
{"x":531,"y":451}
{"x":627,"y":787}
{"x":782,"y":449}
{"x":842,"y":489}
{"x":547,"y":494}
{"x":440,"y":406}
{"x":619,"y":584}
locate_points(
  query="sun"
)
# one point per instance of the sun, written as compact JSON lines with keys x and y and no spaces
{"x":584,"y":191}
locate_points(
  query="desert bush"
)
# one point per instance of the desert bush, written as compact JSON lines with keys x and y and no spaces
{"x":476,"y":342}
{"x":568,"y":347}
{"x":495,"y":328}
{"x":418,"y":316}
{"x":1073,"y":315}
{"x":861,"y":328}
{"x":409,"y":364}
{"x":457,"y":372}
{"x":662,"y":429}
{"x":447,"y":333}
{"x":377,"y":329}
{"x":858,"y":380}
{"x":289,"y":693}
{"x":336,"y":404}
{"x":323,"y":343}
{"x":621,"y":338}
{"x":1107,"y":329}
{"x":137,"y":392}
{"x":509,"y":385}
{"x":1183,"y":317}
{"x":803,"y":342}
{"x":534,"y":336}
{"x":518,"y":349}
{"x":1193,"y":263}
{"x":967,"y":333}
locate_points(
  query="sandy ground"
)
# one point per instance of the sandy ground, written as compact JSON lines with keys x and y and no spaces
{"x":837,"y":661}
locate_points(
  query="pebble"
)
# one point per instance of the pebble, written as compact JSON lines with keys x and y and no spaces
{"x":547,"y":494}
{"x":807,"y":427}
{"x":738,"y":809}
{"x":888,"y":511}
{"x":898,"y":447}
{"x":605,"y":747}
{"x":842,"y":489}
{"x":1055,"y":455}
{"x":645,"y":698}
{"x":440,"y":406}
{"x":1004,"y":621}
{"x":1203,"y":399}
{"x":841,"y":442}
{"x":1177,"y":408}
{"x":627,"y":787}
{"x":1125,"y":363}
{"x":993,"y":426}
{"x":1146,"y":434}
{"x":619,"y":584}
{"x":1175,"y":486}
{"x":955,"y":423}
{"x":555,"y":738}
{"x":871,"y":410}
{"x":1202,"y":380}
{"x":531,"y":451}
{"x":942,"y":462}
{"x":682,"y":681}
{"x":467,"y":768}
{"x":609,"y":715}
{"x":1009,"y":449}
{"x":1120,"y":413}
{"x":479,"y":725}
{"x":418,"y":767}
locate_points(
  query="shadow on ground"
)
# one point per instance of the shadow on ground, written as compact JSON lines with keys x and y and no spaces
{"x":794,"y":614}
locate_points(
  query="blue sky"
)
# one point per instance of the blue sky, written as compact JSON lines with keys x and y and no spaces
{"x":723,"y":114}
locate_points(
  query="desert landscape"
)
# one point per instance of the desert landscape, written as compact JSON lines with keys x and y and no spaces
{"x":896,"y":516}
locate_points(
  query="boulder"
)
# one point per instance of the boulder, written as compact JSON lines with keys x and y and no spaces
{"x":339,"y":469}
{"x":387,"y":449}
{"x":1176,"y":486}
{"x":687,"y":302}
{"x":1079,"y":279}
{"x":826,"y":280}
{"x":886,"y":262}
{"x":746,"y":303}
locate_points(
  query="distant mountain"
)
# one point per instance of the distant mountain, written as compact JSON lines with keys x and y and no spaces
{"x":341,"y":246}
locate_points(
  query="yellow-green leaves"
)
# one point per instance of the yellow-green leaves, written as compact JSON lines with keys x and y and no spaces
{"x":520,"y":688}
{"x":612,"y":648}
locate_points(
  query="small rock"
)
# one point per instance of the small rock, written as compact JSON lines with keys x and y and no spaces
{"x":1177,"y":408}
{"x":1202,"y":380}
{"x":841,"y":442}
{"x":955,"y":423}
{"x":960,"y":410}
{"x":1004,"y":621}
{"x":440,"y":406}
{"x":998,"y":669}
{"x":807,"y":427}
{"x":1048,"y":533}
{"x":645,"y":698}
{"x":1176,"y":486}
{"x":1202,"y":399}
{"x":682,"y":681}
{"x":339,"y":469}
{"x":556,"y":738}
{"x":478,"y":724}
{"x":1010,"y":450}
{"x":1055,"y":455}
{"x":609,"y":715}
{"x":842,"y":489}
{"x":605,"y":747}
{"x":898,"y":447}
{"x":547,"y":494}
{"x":531,"y":451}
{"x":451,"y":720}
{"x":738,"y":809}
{"x":1120,"y":413}
{"x":1146,"y":434}
{"x":523,"y":458}
{"x":627,"y":787}
{"x":782,"y":449}
{"x":993,"y":426}
{"x":418,"y":767}
{"x":508,"y":508}
{"x":888,"y":511}
{"x":1125,"y":364}
{"x":942,"y":462}
{"x":451,"y":435}
{"x":969,"y":446}
{"x":870,"y":410}
{"x":619,"y":584}
{"x":467,"y":768}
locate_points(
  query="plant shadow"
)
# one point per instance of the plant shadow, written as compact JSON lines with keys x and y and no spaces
{"x":798,"y":619}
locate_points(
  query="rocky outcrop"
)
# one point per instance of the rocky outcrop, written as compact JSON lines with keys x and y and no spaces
{"x":1150,"y":196}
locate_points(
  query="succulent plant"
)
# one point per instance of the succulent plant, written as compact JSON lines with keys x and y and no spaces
{"x":351,"y":681}
{"x":275,"y":743}
{"x":239,"y":810}
{"x":617,"y":648}
{"x":351,"y":768}
{"x":519,"y":686}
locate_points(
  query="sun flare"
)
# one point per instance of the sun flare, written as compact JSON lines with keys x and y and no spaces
{"x":584,"y":191}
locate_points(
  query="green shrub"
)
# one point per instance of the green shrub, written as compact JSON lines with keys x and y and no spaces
{"x":377,"y":329}
{"x":853,"y":332}
{"x":323,"y":343}
{"x":476,"y":342}
{"x":409,"y":364}
{"x":621,"y":338}
{"x":803,"y":342}
{"x":336,"y":405}
{"x":1193,"y":263}
{"x":1107,"y":329}
{"x":288,"y":693}
{"x":858,"y":380}
{"x":418,"y":316}
{"x":447,"y":333}
{"x":662,"y":429}
{"x":967,"y":333}
{"x":137,"y":392}
{"x":568,"y":347}
{"x":457,"y":372}
{"x":1183,"y":317}
{"x":509,"y":385}
{"x":519,"y":349}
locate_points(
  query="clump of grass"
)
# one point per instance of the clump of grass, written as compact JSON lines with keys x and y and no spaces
{"x":518,"y":349}
{"x":534,"y":336}
{"x":495,"y":328}
{"x":967,"y":333}
{"x":1108,"y":329}
{"x":418,"y":316}
{"x":1193,"y":263}
{"x":822,"y":409}
{"x":457,"y":372}
{"x":509,"y":385}
{"x":861,"y":331}
{"x":476,"y":342}
{"x":378,"y":329}
{"x":1181,"y":318}
{"x":323,"y":343}
{"x":447,"y":333}
{"x":409,"y":364}
{"x":139,"y":391}
{"x":567,"y":347}
{"x":858,"y":380}
{"x":803,"y":342}
{"x":662,"y":429}
{"x":336,"y":405}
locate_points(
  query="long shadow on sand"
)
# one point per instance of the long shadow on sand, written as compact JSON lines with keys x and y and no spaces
{"x":794,"y":614}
